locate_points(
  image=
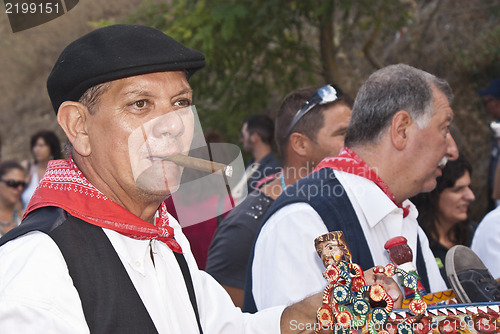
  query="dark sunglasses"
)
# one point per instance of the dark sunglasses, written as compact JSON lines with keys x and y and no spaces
{"x":325,"y":94}
{"x":13,"y":183}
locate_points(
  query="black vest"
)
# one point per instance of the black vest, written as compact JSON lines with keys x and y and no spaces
{"x":110,"y":301}
{"x":323,"y":191}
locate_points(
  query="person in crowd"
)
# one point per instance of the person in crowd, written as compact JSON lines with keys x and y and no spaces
{"x":256,"y":136}
{"x":12,"y":183}
{"x":45,"y":146}
{"x":397,"y":143}
{"x":491,"y":99}
{"x":443,"y":212}
{"x":486,"y":241}
{"x":200,"y":232}
{"x":97,"y":251}
{"x":317,"y":134}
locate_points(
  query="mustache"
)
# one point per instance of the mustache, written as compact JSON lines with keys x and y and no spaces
{"x":443,"y":162}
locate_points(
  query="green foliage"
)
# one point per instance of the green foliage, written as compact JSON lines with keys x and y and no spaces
{"x":257,"y":51}
{"x":481,"y":57}
{"x":254,"y":49}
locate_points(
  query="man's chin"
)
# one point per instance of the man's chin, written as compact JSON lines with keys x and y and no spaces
{"x":429,"y":186}
{"x":158,"y":183}
{"x":158,"y":191}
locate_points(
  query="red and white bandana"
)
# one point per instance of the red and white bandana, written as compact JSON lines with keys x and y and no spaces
{"x":349,"y":162}
{"x":64,"y":186}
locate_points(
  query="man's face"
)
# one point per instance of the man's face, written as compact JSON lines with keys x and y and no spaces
{"x":330,"y":138}
{"x":430,"y":147}
{"x":137,"y":121}
{"x":492,"y":106}
{"x":246,"y":139}
{"x":332,"y":253}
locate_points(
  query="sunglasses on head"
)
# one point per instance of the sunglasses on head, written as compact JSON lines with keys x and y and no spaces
{"x":13,"y":183}
{"x":325,"y":94}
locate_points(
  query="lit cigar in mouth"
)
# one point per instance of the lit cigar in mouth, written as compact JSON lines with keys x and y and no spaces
{"x":200,"y":164}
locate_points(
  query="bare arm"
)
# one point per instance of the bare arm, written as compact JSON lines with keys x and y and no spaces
{"x":301,"y":317}
{"x":235,"y":294}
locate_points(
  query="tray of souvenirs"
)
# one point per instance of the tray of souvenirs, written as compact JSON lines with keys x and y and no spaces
{"x":352,"y":306}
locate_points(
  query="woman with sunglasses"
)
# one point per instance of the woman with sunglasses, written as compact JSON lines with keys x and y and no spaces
{"x":12,"y":184}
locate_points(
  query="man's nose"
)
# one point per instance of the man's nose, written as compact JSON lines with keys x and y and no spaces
{"x":452,"y":149}
{"x":170,"y":124}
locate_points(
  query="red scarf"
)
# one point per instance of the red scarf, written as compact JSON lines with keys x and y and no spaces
{"x":64,"y":186}
{"x":347,"y":161}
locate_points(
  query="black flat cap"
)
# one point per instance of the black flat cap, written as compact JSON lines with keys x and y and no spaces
{"x":116,"y":52}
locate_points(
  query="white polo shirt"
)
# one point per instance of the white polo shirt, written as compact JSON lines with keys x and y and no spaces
{"x":286,"y":267}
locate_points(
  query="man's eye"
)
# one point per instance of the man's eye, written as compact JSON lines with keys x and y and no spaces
{"x":183,"y":103}
{"x":140,"y":103}
{"x":446,"y":131}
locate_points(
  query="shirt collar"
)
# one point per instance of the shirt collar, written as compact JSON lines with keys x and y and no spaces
{"x":374,"y":204}
{"x":133,"y":252}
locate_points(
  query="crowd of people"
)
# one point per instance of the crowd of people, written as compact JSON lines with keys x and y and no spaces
{"x":91,"y":243}
{"x":20,"y":179}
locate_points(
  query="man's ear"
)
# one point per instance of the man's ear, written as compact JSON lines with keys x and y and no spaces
{"x":72,"y":117}
{"x":254,"y":138}
{"x":299,"y":143}
{"x":400,"y":129}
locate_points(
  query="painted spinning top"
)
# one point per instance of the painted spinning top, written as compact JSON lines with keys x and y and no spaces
{"x":401,"y":255}
{"x":349,"y":303}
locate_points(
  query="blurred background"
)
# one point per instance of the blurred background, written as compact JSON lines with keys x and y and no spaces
{"x":259,"y":50}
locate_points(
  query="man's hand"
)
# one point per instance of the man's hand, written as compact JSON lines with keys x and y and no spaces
{"x":387,"y":283}
{"x":301,"y":317}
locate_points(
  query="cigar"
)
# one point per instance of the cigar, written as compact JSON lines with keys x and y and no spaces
{"x":200,"y":164}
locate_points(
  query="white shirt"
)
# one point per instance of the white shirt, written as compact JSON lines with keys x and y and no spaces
{"x":32,"y":185}
{"x":486,"y":241}
{"x":286,"y":267}
{"x":37,"y":294}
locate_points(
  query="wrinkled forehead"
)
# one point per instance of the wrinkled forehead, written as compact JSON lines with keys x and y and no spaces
{"x":156,"y":84}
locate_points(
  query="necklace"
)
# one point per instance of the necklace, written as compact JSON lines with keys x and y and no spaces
{"x":11,"y":221}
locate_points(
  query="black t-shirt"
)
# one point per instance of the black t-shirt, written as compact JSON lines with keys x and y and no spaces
{"x":233,"y":240}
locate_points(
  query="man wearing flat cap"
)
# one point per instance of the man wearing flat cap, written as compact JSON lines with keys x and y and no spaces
{"x":97,"y":251}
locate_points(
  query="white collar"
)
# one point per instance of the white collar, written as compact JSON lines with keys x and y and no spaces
{"x":374,"y":203}
{"x":134,"y":252}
